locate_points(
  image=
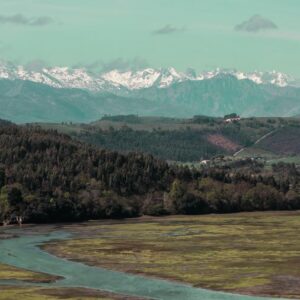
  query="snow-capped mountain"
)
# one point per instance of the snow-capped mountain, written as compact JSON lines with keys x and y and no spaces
{"x":38,"y":95}
{"x":59,"y":77}
{"x":146,"y":78}
{"x":64,"y":77}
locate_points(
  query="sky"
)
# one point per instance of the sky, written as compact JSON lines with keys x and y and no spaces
{"x":246,"y":35}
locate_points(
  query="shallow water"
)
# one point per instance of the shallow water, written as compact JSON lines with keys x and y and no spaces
{"x":24,"y":252}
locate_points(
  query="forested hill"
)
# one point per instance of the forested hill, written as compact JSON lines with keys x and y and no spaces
{"x":63,"y":178}
{"x":186,"y":140}
{"x":46,"y":176}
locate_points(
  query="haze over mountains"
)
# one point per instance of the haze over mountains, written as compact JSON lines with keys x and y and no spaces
{"x":65,"y":94}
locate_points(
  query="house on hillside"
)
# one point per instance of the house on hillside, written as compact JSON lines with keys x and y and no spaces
{"x":232,"y":118}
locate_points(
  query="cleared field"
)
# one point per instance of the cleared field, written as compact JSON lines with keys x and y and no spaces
{"x":251,"y":253}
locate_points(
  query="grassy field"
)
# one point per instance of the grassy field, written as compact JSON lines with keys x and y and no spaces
{"x":37,"y":293}
{"x":251,"y":253}
{"x":17,"y":293}
{"x":13,"y":293}
{"x":8,"y":272}
{"x":289,"y":159}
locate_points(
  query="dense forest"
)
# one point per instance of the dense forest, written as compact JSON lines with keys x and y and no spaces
{"x":46,"y":176}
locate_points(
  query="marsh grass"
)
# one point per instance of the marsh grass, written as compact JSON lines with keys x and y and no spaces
{"x":13,"y":293}
{"x":254,"y":253}
{"x":12,"y":273}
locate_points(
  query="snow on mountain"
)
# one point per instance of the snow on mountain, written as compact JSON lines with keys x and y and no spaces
{"x":59,"y":77}
{"x":132,"y":80}
{"x":146,"y":78}
{"x":64,"y":77}
{"x":273,"y":77}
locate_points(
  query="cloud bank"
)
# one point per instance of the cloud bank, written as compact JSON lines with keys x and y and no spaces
{"x":255,"y":24}
{"x":20,"y":19}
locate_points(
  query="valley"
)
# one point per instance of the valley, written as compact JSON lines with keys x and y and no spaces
{"x":149,"y":150}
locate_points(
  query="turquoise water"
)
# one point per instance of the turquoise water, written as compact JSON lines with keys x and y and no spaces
{"x":23,"y":252}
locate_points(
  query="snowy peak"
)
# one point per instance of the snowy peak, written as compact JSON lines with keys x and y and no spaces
{"x":276,"y":78}
{"x":64,"y":77}
{"x":132,"y":80}
{"x":273,"y":77}
{"x":163,"y":78}
{"x":145,"y":78}
{"x":57,"y":76}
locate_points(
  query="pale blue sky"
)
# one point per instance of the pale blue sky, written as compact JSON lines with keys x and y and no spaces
{"x":161,"y":33}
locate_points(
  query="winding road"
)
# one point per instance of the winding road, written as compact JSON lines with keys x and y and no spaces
{"x":256,"y":142}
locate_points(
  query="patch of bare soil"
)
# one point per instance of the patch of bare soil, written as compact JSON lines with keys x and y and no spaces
{"x":223,"y":142}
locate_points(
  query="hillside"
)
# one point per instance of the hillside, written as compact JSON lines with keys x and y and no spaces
{"x":285,"y":141}
{"x":25,"y":101}
{"x":173,"y":139}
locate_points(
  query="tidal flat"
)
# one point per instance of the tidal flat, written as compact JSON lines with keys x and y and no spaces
{"x":246,"y":253}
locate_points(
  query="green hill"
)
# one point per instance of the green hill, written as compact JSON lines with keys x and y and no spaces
{"x":184,"y":140}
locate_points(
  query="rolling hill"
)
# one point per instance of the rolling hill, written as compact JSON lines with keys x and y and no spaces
{"x":186,"y":140}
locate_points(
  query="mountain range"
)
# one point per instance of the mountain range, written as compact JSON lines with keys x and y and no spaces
{"x":65,"y":94}
{"x":65,"y":77}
